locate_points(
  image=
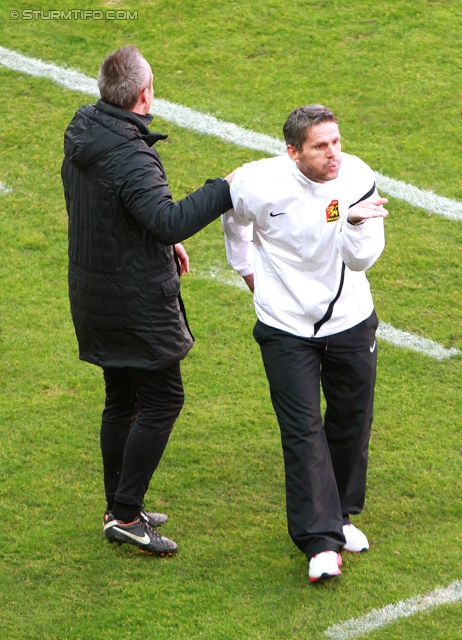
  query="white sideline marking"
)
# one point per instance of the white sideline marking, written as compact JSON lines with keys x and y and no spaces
{"x":385,"y":331}
{"x":380,"y":617}
{"x":416,"y":343}
{"x":223,"y":276}
{"x":4,"y":189}
{"x":207,"y":124}
{"x":203,"y":123}
{"x":419,"y":197}
{"x":68,"y":78}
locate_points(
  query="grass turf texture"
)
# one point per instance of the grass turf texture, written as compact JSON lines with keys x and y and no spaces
{"x":237,"y":574}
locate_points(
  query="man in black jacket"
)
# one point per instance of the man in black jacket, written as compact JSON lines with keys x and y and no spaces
{"x":124,"y":266}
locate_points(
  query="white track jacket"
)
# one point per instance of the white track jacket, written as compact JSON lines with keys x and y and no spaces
{"x":292,"y":233}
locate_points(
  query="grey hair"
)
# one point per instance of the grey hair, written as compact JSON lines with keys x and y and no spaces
{"x":122,"y":77}
{"x":296,"y":127}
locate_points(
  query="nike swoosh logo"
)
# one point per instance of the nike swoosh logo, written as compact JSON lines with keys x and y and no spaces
{"x":273,"y":215}
{"x":143,"y":540}
{"x":372,"y":349}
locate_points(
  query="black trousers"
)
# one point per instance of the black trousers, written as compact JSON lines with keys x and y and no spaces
{"x":325,"y":464}
{"x":140,"y":410}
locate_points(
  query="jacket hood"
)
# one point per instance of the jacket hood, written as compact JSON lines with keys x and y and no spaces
{"x":97,"y":129}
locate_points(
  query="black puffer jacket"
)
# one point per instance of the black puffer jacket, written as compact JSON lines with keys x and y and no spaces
{"x":123,"y":273}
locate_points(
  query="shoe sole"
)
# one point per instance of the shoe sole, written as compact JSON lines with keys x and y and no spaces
{"x":160,"y":554}
{"x":326,"y":576}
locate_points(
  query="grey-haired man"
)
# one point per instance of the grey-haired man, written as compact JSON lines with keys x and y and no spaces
{"x":125,"y":261}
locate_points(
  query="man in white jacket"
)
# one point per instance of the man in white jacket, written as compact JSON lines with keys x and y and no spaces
{"x":304,"y":229}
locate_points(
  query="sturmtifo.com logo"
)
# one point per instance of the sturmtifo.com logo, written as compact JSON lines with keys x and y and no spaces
{"x":74,"y":14}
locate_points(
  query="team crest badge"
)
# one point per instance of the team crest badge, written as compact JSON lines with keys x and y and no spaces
{"x":332,"y":214}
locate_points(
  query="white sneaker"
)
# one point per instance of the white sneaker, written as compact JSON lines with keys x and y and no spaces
{"x":324,"y":565}
{"x":356,"y":541}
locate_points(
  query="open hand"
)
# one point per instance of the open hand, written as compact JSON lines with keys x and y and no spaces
{"x":367,"y":209}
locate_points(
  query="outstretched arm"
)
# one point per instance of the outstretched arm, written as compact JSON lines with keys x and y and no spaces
{"x":143,"y":189}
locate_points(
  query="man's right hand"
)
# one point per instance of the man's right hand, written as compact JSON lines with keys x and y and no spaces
{"x":229,"y":178}
{"x":249,"y":281}
{"x":367,"y":209}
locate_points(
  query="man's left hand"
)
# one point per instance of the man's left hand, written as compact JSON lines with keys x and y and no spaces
{"x":183,"y":259}
{"x":367,"y":209}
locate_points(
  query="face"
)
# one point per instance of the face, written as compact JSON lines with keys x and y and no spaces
{"x":320,"y":157}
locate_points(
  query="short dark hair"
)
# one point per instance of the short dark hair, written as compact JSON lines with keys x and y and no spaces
{"x":296,"y":127}
{"x":122,"y":77}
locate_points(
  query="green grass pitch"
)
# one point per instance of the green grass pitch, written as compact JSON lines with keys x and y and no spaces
{"x":391,"y":71}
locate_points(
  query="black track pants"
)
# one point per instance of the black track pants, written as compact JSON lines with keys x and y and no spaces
{"x":325,"y":464}
{"x":140,"y":410}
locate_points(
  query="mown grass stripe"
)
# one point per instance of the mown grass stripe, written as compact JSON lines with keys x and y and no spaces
{"x":391,"y":613}
{"x":202,"y":123}
{"x":207,"y":124}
